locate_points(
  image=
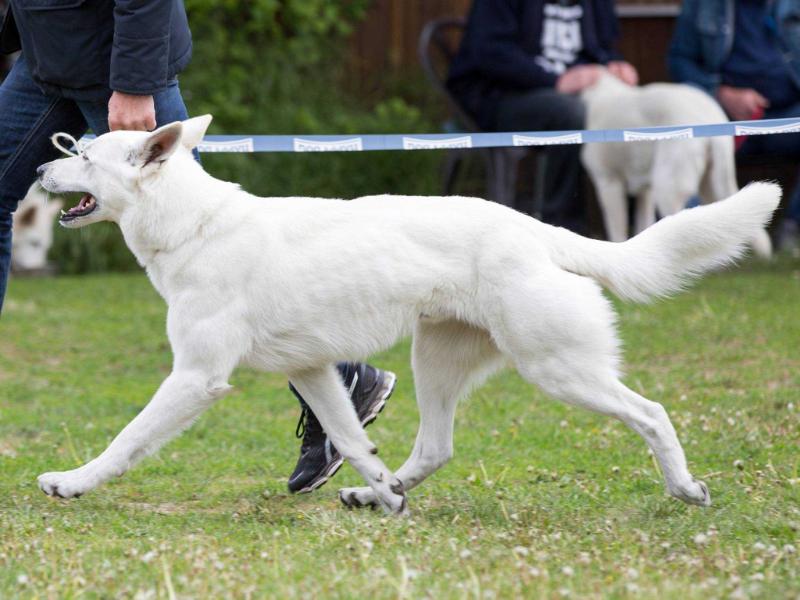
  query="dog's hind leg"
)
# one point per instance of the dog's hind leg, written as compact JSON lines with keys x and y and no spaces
{"x":606,"y":395}
{"x":449,"y":358}
{"x":564,"y":342}
{"x":327,"y":397}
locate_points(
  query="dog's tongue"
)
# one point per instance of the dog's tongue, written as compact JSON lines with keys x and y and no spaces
{"x":85,"y":205}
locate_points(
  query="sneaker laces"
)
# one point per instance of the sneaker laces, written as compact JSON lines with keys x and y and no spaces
{"x":300,"y":430}
{"x":307,"y":427}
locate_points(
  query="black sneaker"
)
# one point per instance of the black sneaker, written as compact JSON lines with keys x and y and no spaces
{"x":319,"y":460}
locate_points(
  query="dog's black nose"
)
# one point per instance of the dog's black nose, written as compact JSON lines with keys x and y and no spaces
{"x":40,"y":171}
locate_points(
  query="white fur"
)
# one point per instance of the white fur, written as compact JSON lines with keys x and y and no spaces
{"x":663,"y":175}
{"x":295,"y":284}
{"x":33,"y":230}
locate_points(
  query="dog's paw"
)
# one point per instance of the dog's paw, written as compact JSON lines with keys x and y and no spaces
{"x":393,"y":498}
{"x":67,"y":484}
{"x":358,"y":497}
{"x":694,"y":493}
{"x":395,"y":502}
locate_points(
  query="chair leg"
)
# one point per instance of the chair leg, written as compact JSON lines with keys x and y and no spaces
{"x":538,"y":184}
{"x":499,"y":176}
{"x":452,"y":168}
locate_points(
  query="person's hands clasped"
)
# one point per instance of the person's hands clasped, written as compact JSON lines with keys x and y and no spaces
{"x":578,"y":78}
{"x":624,"y":71}
{"x":741,"y":103}
{"x":131,"y":112}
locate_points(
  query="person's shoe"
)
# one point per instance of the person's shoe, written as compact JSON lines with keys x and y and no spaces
{"x":319,"y":460}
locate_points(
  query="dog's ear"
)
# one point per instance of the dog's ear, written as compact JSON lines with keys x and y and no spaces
{"x":27,"y":217}
{"x":160,"y":144}
{"x":194,"y":130}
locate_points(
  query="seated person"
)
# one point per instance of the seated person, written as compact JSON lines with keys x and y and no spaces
{"x":520,"y":67}
{"x":752,"y":69}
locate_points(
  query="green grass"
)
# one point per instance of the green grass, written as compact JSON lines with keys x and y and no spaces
{"x":540,"y":501}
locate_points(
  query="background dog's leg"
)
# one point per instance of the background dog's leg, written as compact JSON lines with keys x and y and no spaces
{"x":323,"y":391}
{"x":645,"y":214}
{"x":449,"y":358}
{"x":182,"y":397}
{"x":613,"y":202}
{"x":676,"y":174}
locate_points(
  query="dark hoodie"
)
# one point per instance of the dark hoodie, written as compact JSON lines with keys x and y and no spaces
{"x":84,"y":49}
{"x":502,"y":49}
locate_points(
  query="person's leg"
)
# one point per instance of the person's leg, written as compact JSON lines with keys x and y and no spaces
{"x":548,"y":110}
{"x":27,"y":120}
{"x":780,"y":145}
{"x":369,"y":388}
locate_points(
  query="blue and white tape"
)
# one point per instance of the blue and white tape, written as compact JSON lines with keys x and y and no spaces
{"x":428,"y":141}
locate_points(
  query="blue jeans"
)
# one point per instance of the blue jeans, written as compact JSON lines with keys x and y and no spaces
{"x":27,"y":120}
{"x":784,"y":144}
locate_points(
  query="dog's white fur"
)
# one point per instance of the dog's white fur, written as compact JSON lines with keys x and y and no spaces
{"x":295,"y":284}
{"x":33,"y":230}
{"x":662,"y":175}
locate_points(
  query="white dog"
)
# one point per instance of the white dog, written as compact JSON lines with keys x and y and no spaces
{"x":33,"y":230}
{"x":663,"y":175}
{"x":295,"y":284}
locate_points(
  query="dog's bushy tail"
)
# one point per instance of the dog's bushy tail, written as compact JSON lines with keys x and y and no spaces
{"x":665,"y":257}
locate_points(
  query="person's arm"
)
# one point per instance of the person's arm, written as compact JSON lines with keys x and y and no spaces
{"x":607,"y":36}
{"x":497,"y":47}
{"x":685,"y":58}
{"x":607,"y":27}
{"x":139,"y":61}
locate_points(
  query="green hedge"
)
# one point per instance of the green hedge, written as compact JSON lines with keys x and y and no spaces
{"x":276,"y":66}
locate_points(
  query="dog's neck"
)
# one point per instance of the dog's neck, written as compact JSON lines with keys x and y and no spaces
{"x":171,"y":212}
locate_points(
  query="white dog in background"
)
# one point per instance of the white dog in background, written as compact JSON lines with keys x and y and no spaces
{"x":32,"y":234}
{"x":293,"y":285}
{"x":662,"y":175}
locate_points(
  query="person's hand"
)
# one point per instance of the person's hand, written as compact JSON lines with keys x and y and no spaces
{"x":741,"y":103}
{"x":624,"y":71}
{"x":128,"y":111}
{"x":578,"y":78}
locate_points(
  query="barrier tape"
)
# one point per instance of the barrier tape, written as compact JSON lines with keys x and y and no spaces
{"x":427,"y":141}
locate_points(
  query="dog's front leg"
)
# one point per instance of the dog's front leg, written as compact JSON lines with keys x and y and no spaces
{"x":182,"y":397}
{"x":325,"y":394}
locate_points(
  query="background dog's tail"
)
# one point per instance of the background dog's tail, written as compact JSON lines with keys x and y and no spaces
{"x":665,"y":257}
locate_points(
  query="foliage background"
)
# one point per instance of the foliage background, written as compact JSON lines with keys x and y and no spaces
{"x":279,"y":67}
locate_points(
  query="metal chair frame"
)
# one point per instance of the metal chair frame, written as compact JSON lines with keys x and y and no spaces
{"x":502,"y":164}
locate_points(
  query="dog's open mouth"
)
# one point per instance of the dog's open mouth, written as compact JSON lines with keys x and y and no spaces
{"x":83,"y":208}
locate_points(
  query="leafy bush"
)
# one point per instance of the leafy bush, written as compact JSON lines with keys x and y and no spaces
{"x":276,"y":67}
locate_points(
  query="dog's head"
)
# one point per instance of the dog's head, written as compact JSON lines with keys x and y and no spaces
{"x":111,"y":171}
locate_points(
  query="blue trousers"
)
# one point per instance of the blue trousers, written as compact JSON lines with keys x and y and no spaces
{"x":784,"y":144}
{"x":27,"y":120}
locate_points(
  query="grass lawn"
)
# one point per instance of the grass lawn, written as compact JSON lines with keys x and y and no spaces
{"x":541,"y":500}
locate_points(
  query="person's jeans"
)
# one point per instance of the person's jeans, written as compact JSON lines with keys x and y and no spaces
{"x":27,"y":120}
{"x":548,"y":110}
{"x":784,"y":144}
